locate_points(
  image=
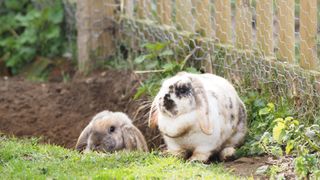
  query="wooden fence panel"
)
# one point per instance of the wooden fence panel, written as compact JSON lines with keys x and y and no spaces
{"x":264,"y":9}
{"x":164,"y":10}
{"x":144,"y":9}
{"x":308,"y":33}
{"x":83,"y":39}
{"x":102,"y":41}
{"x":184,"y":18}
{"x":243,"y":24}
{"x":223,"y":20}
{"x":93,"y":39}
{"x":128,"y":6}
{"x":203,"y":17}
{"x":286,"y":30}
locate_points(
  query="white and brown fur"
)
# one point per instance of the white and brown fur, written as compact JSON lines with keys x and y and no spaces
{"x":202,"y":114}
{"x":109,"y":132}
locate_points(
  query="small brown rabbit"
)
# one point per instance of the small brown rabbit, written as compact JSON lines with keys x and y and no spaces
{"x":109,"y":132}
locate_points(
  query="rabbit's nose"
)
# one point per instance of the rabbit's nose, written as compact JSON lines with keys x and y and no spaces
{"x":168,"y":102}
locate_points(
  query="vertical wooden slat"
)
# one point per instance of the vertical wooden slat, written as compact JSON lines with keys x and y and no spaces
{"x":264,"y":10}
{"x":184,"y":18}
{"x":128,"y":7}
{"x":286,"y":30}
{"x":243,"y":24}
{"x":164,"y":10}
{"x":203,"y":17}
{"x":223,"y":20}
{"x":308,"y":33}
{"x":144,"y":9}
{"x":101,"y":40}
{"x":83,"y":38}
{"x":95,"y":33}
{"x":96,"y":27}
{"x":109,"y":10}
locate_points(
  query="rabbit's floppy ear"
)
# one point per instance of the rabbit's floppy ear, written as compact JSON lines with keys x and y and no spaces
{"x":133,"y":139}
{"x":206,"y":124}
{"x":153,"y":115}
{"x":83,"y":138}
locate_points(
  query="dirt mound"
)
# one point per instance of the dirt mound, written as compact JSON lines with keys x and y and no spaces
{"x":59,"y":111}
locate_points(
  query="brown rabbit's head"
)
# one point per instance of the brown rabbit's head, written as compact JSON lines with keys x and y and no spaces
{"x":109,"y":132}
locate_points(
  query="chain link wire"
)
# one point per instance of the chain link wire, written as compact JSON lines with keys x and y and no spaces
{"x":259,"y":45}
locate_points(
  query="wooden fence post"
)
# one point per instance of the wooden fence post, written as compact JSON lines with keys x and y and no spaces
{"x":203,"y":17}
{"x":286,"y":30}
{"x":203,"y":26}
{"x":308,"y":33}
{"x":264,"y":23}
{"x":83,"y":39}
{"x":164,"y":10}
{"x":223,"y":20}
{"x":243,"y":24}
{"x":184,"y":18}
{"x":93,"y":38}
{"x":144,"y":9}
{"x":128,"y":6}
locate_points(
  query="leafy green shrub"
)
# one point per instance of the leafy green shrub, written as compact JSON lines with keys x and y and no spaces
{"x":158,"y":59}
{"x":307,"y":164}
{"x":30,"y":28}
{"x":274,"y":131}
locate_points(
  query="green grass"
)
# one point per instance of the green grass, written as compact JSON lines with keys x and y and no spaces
{"x":26,"y":159}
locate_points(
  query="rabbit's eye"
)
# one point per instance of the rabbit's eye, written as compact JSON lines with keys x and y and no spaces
{"x":183,"y":90}
{"x":112,"y":129}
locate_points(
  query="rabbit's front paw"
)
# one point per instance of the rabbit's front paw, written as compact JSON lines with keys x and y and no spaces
{"x":227,"y":154}
{"x":200,"y":156}
{"x":180,"y":153}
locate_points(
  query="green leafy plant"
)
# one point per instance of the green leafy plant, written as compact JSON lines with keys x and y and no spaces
{"x":30,"y":28}
{"x":158,"y":59}
{"x":288,"y":136}
{"x":307,"y":165}
{"x":273,"y":130}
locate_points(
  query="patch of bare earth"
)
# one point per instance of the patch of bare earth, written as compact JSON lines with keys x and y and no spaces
{"x":59,"y":111}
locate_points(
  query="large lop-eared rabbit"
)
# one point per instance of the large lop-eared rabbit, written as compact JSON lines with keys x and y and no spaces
{"x":109,"y":132}
{"x":201,"y":114}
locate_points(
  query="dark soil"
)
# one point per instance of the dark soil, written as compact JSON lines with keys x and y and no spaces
{"x":58,"y":111}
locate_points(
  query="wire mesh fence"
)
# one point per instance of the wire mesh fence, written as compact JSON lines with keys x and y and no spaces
{"x":259,"y":45}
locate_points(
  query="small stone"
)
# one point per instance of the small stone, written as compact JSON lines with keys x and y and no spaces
{"x":103,"y":74}
{"x":89,"y":80}
{"x":311,"y":134}
{"x":262,"y":170}
{"x":245,"y":160}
